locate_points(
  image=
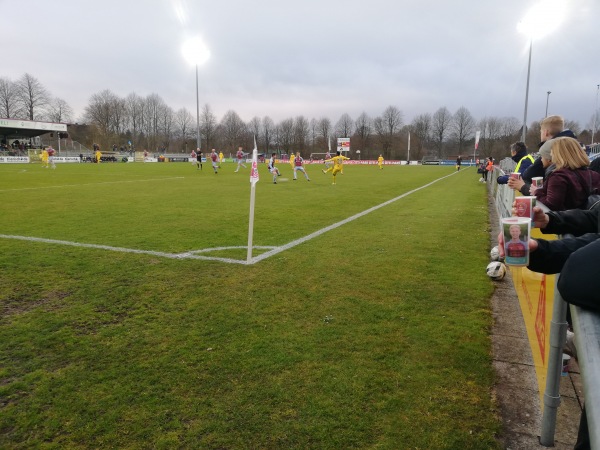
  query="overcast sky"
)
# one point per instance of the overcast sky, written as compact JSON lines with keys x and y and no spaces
{"x":316,"y":58}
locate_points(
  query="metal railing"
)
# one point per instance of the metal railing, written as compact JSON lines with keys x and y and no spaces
{"x":586,"y":325}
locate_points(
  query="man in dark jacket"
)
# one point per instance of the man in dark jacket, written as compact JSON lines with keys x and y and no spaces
{"x":518,"y":153}
{"x":576,"y":259}
{"x":551,"y":127}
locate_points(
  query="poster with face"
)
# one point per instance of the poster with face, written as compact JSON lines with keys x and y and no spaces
{"x":516,"y":231}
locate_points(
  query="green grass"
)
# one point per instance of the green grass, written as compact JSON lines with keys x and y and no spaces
{"x":373,"y":335}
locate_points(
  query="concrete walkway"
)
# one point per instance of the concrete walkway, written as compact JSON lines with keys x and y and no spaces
{"x":516,"y":388}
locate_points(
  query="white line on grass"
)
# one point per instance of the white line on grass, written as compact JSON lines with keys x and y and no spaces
{"x":342,"y":222}
{"x":187,"y":255}
{"x":193,"y":253}
{"x":90,"y":184}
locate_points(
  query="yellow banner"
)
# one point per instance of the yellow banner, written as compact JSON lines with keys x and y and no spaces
{"x":536,"y":297}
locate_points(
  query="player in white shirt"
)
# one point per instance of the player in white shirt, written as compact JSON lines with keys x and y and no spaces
{"x":274,"y":170}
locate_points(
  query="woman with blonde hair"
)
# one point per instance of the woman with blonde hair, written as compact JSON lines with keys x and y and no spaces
{"x":569,"y":185}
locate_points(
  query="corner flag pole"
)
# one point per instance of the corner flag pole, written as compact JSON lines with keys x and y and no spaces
{"x":253,"y":181}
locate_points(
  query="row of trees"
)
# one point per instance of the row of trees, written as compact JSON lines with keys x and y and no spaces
{"x":149,"y":123}
{"x":26,"y":98}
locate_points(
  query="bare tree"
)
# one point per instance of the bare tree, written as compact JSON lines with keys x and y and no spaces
{"x":119,"y":116}
{"x":344,"y":126}
{"x":574,"y":126}
{"x":268,"y":132}
{"x":59,"y":111}
{"x":313,"y":133}
{"x":254,"y":127}
{"x":510,"y":128}
{"x":462,"y":126}
{"x":421,"y":129}
{"x":33,"y":96}
{"x":490,"y":128}
{"x":99,"y":111}
{"x":184,"y":126}
{"x":363,"y":130}
{"x":440,"y":122}
{"x":167,"y":125}
{"x":387,"y":127}
{"x":9,"y":99}
{"x":300,"y":133}
{"x":234,"y":129}
{"x":134,"y":116}
{"x":324,"y":130}
{"x":208,"y":125}
{"x":285,"y":131}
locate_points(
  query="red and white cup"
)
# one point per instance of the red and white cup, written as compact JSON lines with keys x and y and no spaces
{"x":538,"y":182}
{"x":524,"y":206}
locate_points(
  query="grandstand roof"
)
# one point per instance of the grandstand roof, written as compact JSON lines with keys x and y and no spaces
{"x":18,"y":128}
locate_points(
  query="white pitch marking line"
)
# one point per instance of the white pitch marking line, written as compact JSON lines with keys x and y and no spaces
{"x":192,"y":254}
{"x":342,"y":222}
{"x":123,"y":249}
{"x":90,"y":184}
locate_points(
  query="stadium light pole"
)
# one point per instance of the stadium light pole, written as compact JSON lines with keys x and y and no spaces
{"x":540,"y":20}
{"x":596,"y":114}
{"x":196,"y":52}
{"x":547,"y":99}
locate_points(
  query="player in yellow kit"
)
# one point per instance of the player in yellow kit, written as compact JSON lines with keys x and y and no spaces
{"x":44,"y":158}
{"x":338,"y":164}
{"x":380,"y":161}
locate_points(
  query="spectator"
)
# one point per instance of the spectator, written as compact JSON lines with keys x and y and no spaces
{"x":577,"y":261}
{"x":518,"y":153}
{"x":568,"y":185}
{"x":489,"y":167}
{"x":551,"y":127}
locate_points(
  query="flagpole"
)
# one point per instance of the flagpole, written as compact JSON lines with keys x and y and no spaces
{"x":253,"y":181}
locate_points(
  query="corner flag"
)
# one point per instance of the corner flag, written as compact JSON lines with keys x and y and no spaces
{"x":253,"y":181}
{"x":254,"y":169}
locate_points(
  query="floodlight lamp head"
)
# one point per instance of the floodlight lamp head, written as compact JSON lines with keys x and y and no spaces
{"x":195,"y":51}
{"x":542,"y":19}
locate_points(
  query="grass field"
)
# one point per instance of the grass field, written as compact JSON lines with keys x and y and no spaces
{"x":371,"y":335}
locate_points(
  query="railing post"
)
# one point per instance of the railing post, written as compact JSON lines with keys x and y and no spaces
{"x":558,"y":335}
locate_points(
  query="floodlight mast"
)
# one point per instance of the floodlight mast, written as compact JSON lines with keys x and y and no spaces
{"x":196,"y":52}
{"x":540,"y":20}
{"x":596,"y":114}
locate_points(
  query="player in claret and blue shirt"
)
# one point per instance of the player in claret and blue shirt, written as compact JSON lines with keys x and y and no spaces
{"x":299,"y":166}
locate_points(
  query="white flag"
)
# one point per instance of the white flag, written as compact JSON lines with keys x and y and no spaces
{"x":254,"y":168}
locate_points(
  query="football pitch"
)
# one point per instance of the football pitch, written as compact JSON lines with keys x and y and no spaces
{"x":132,"y":318}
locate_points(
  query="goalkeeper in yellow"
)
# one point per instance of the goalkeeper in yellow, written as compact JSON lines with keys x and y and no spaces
{"x":338,"y":164}
{"x":380,"y":161}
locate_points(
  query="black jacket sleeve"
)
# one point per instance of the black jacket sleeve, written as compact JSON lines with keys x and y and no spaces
{"x":574,"y":221}
{"x":551,"y":256}
{"x":579,"y":281}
